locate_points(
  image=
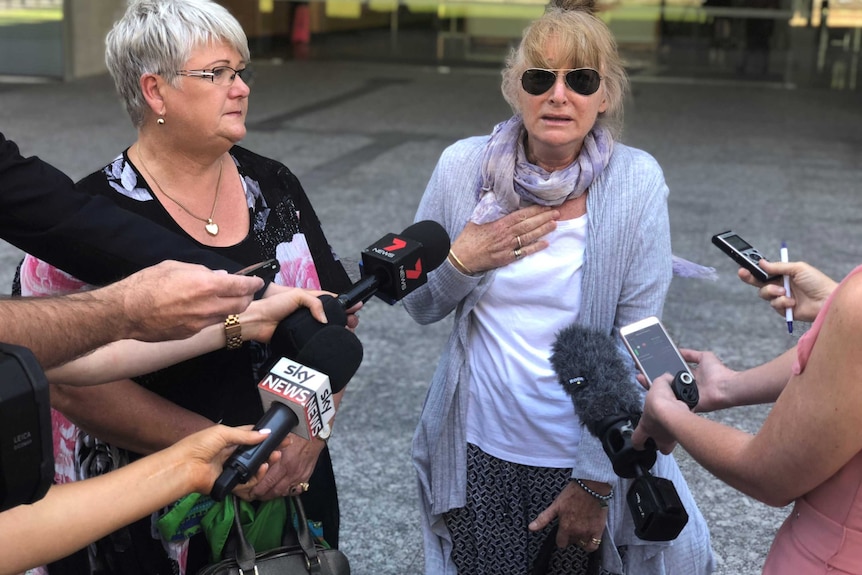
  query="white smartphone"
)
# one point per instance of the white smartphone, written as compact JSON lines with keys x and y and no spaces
{"x":652,"y":349}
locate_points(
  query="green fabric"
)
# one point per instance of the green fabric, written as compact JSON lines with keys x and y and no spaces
{"x":183,"y":520}
{"x":263,"y":527}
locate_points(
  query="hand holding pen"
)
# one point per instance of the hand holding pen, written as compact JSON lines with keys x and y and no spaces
{"x":810,"y":288}
{"x":788,"y":311}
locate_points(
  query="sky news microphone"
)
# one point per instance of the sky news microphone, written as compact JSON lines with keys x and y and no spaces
{"x":297,"y":397}
{"x":391,"y":268}
{"x":591,"y":369}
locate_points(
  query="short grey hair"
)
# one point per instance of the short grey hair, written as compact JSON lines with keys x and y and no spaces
{"x":585,"y":42}
{"x":158,"y":37}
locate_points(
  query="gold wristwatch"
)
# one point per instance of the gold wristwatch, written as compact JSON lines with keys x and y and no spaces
{"x":233,"y":332}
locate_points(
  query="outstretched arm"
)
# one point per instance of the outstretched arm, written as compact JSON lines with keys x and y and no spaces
{"x":93,"y":508}
{"x":171,"y":300}
{"x":811,"y":432}
{"x":130,"y":358}
{"x":721,"y":387}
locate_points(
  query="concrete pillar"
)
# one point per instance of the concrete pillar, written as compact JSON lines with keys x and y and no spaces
{"x":87,"y":22}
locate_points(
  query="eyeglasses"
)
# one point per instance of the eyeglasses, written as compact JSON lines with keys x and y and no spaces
{"x":220,"y":75}
{"x":583,"y":81}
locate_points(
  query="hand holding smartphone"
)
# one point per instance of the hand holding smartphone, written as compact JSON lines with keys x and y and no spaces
{"x":655,"y":354}
{"x":743,"y":254}
{"x":265,"y":270}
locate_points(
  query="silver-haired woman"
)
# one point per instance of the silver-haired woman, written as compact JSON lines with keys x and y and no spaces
{"x":554,"y":222}
{"x":181,"y":69}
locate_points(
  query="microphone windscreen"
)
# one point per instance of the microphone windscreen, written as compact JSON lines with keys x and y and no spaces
{"x":592,"y":371}
{"x":335,"y":351}
{"x":294,"y":331}
{"x":434,"y":240}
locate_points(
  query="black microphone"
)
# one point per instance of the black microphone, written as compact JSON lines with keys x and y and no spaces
{"x":593,"y":373}
{"x":397,"y":264}
{"x":297,"y":396}
{"x":391,"y":268}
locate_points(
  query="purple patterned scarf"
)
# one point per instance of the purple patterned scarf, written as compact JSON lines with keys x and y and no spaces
{"x":509,"y":181}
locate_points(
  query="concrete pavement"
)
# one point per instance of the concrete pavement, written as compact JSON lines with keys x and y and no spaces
{"x":772,"y":164}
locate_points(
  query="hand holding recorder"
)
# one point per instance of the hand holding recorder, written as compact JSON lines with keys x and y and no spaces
{"x":810,"y":288}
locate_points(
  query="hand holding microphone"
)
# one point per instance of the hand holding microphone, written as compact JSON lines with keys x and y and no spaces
{"x":592,"y":372}
{"x":650,"y":432}
{"x":297,"y":396}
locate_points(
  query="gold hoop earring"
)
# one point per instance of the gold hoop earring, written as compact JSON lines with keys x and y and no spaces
{"x":160,"y":121}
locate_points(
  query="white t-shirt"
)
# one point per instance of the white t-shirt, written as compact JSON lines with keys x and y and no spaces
{"x":518,"y":411}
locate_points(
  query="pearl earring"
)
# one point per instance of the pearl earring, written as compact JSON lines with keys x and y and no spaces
{"x":160,"y":121}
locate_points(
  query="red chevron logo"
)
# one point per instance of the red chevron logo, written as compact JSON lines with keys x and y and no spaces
{"x":397,"y":244}
{"x":415,"y":272}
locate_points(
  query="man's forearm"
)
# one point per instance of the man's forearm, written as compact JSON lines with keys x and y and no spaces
{"x":127,"y":415}
{"x":57,"y":330}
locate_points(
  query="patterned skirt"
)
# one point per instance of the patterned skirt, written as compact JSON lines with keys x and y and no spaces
{"x":490,"y":534}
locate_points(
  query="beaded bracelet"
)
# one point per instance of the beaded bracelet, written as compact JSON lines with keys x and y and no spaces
{"x":603,"y":499}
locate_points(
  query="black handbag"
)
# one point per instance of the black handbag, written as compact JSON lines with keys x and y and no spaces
{"x":298,"y":555}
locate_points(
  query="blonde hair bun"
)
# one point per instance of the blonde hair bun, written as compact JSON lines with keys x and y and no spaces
{"x":588,"y":6}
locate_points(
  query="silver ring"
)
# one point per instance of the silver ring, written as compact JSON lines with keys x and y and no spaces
{"x":595,"y":541}
{"x":519,"y":242}
{"x":518,"y":253}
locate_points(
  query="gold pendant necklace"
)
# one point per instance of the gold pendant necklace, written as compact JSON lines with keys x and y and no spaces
{"x":209,"y":225}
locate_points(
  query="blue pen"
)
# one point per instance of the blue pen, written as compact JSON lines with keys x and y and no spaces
{"x":788,"y":312}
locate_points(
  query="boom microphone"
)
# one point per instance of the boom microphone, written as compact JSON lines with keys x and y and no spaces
{"x":594,"y":375}
{"x":297,"y":397}
{"x":391,"y":268}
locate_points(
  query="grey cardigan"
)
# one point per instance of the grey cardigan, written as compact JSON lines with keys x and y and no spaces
{"x":626,"y":275}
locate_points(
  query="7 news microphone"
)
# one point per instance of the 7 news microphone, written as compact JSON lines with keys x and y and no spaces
{"x":297,"y":396}
{"x":391,"y":268}
{"x":593,"y":373}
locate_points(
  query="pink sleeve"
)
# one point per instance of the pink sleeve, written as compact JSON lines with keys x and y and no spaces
{"x":806,"y":342}
{"x":40,"y":279}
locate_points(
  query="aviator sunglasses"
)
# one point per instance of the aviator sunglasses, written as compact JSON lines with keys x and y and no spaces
{"x":583,"y":81}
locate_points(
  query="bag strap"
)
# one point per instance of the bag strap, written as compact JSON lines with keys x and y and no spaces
{"x":244,"y":551}
{"x":542,"y":561}
{"x":303,"y":534}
